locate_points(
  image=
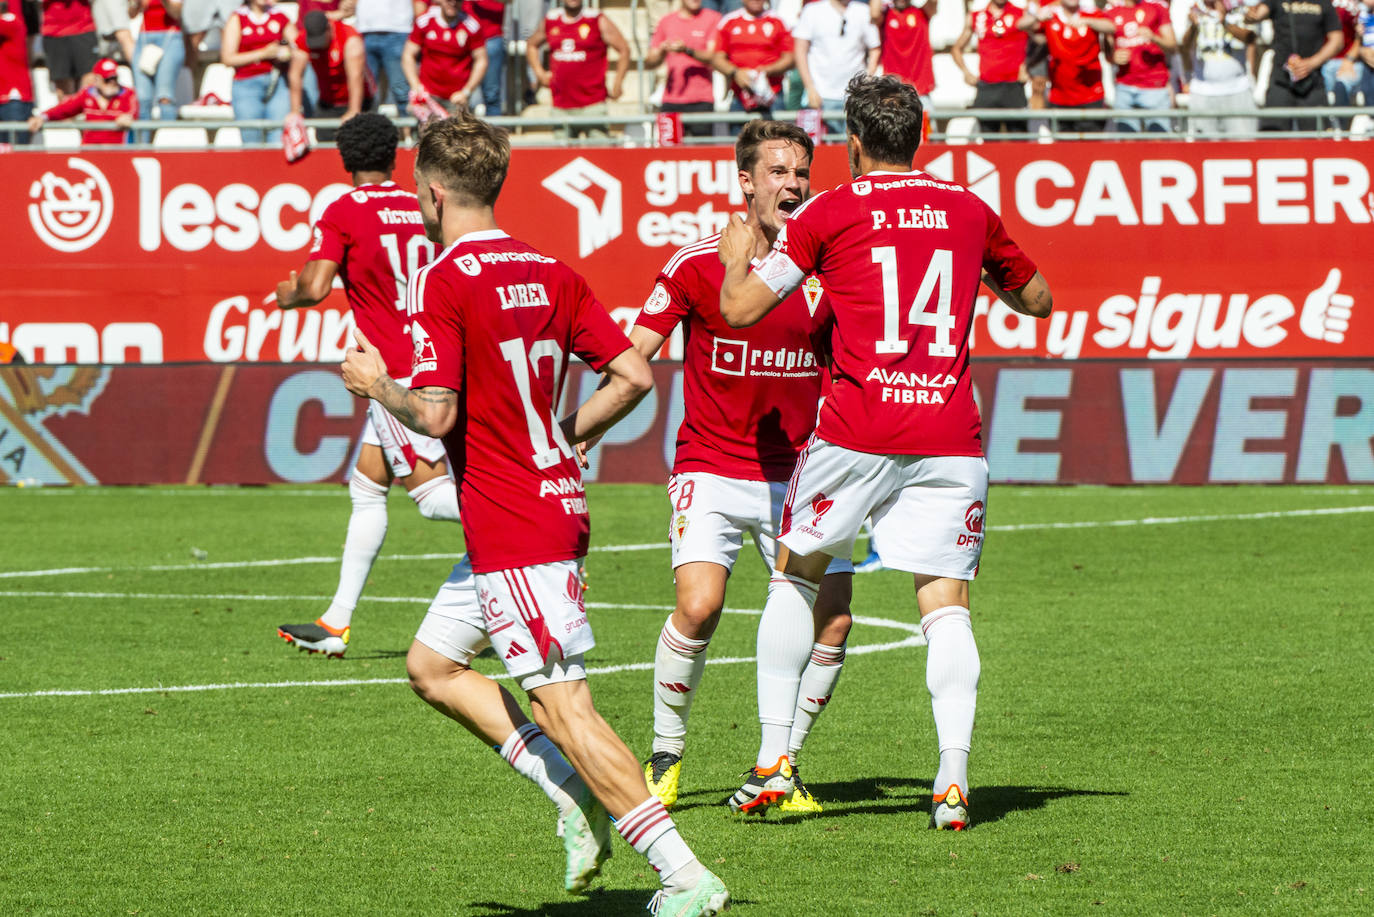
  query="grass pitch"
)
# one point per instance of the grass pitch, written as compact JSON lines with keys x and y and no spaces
{"x":1174,"y":718}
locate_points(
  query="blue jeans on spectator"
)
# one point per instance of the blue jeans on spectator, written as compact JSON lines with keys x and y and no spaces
{"x":15,"y":110}
{"x":722,"y":6}
{"x":152,"y":90}
{"x":831,"y":125}
{"x":384,"y":57}
{"x":1136,"y":97}
{"x":493,"y":86}
{"x":250,"y":100}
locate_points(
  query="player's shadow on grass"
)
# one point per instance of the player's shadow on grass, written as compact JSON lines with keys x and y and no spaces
{"x":609,"y":902}
{"x":891,"y":795}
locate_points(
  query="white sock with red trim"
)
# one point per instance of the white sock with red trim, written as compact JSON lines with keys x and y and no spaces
{"x":817,"y":684}
{"x":952,"y":670}
{"x":678,"y":664}
{"x":437,"y":498}
{"x":649,"y":829}
{"x":366,"y":532}
{"x":533,"y":756}
{"x":784,"y":645}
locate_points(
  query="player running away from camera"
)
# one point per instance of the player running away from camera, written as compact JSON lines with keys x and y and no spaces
{"x":373,"y":239}
{"x":900,"y":255}
{"x":494,"y":324}
{"x":750,"y":403}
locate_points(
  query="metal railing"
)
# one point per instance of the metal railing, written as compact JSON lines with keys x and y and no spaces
{"x":952,"y":126}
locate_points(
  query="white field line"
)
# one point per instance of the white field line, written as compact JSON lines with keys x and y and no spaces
{"x":914,"y":638}
{"x":616,"y":548}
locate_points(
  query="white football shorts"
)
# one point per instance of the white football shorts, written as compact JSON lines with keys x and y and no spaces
{"x":710,"y":515}
{"x":533,"y":618}
{"x":927,"y":510}
{"x":400,"y":444}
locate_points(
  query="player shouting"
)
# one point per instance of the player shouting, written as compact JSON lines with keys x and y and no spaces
{"x":494,"y":324}
{"x":372,"y":238}
{"x":750,"y":405}
{"x":900,"y":255}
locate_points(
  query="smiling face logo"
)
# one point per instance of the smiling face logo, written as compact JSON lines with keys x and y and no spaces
{"x":71,"y":213}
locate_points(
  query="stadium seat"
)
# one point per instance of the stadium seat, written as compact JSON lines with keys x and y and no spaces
{"x":61,"y":138}
{"x":181,"y":138}
{"x":126,"y":76}
{"x":951,"y":92}
{"x":218,"y":81}
{"x":43,"y":95}
{"x":946,"y":25}
{"x":228,"y":138}
{"x":1262,"y":73}
{"x":961,"y":130}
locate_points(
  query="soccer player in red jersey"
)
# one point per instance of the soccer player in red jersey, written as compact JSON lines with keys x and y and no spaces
{"x":1073,"y":36}
{"x":494,"y":324}
{"x":1001,"y":79}
{"x":103,"y":100}
{"x":445,"y":57}
{"x":373,"y":240}
{"x":578,"y":42}
{"x":750,"y":403}
{"x":900,"y":255}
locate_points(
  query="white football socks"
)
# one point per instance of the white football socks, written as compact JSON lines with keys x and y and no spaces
{"x":784,"y":645}
{"x":533,"y":756}
{"x":817,"y":684}
{"x":952,"y":670}
{"x":649,"y":829}
{"x":678,"y":664}
{"x":437,"y":498}
{"x":366,"y":532}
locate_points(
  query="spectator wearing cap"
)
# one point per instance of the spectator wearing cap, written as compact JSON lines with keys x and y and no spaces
{"x":69,"y":43}
{"x":1001,"y":77}
{"x":1307,"y":34}
{"x":333,"y":51}
{"x":257,"y":44}
{"x":578,"y":41}
{"x":16,"y":86}
{"x":683,"y":39}
{"x":444,"y":57}
{"x":103,"y":100}
{"x":753,"y":47}
{"x":159,"y":56}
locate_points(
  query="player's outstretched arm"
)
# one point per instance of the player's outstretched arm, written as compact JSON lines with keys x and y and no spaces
{"x":1033,"y":299}
{"x":309,"y":287}
{"x":430,"y":411}
{"x":744,"y":298}
{"x":628,"y":379}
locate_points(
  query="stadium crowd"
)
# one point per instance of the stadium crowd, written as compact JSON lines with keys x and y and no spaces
{"x":121,"y":60}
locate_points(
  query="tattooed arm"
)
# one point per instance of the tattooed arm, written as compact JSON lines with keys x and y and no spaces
{"x":431,"y":410}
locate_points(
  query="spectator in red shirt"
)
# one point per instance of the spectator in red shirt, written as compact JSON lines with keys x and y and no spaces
{"x":69,"y":43}
{"x":1001,"y":78}
{"x":334,"y":52}
{"x":754,"y":49}
{"x":158,"y":58}
{"x":578,"y":42}
{"x":1144,"y":39}
{"x":257,"y":44}
{"x":16,"y":86}
{"x":905,"y":31}
{"x":102,"y":100}
{"x":1073,"y":39}
{"x":683,"y":39}
{"x":444,"y":58}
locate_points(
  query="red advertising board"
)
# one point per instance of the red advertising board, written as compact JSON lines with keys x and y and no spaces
{"x":1154,"y":250}
{"x":1090,"y":421}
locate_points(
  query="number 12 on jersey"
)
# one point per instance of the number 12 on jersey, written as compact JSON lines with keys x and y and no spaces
{"x":936,"y":283}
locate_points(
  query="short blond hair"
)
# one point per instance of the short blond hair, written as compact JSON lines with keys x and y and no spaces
{"x":466,"y":156}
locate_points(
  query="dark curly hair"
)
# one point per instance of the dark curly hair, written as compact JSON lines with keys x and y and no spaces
{"x":367,"y":143}
{"x":885,"y":114}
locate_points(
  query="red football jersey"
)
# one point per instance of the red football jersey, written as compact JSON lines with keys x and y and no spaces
{"x":257,"y":31}
{"x":376,"y":236}
{"x":1001,"y":45}
{"x":751,"y":42}
{"x":1148,"y":68}
{"x":496,"y":321}
{"x":15,"y":83}
{"x":490,"y":14}
{"x":328,"y":65}
{"x":1075,"y":63}
{"x":445,"y":50}
{"x":66,"y":17}
{"x":749,"y":394}
{"x":93,"y":106}
{"x":906,"y":46}
{"x":577,"y":60}
{"x":900,"y":256}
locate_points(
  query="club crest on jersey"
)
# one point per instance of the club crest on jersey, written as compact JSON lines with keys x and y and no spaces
{"x":658,"y":300}
{"x":679,"y":527}
{"x":424,"y":360}
{"x":811,"y":289}
{"x":584,"y":30}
